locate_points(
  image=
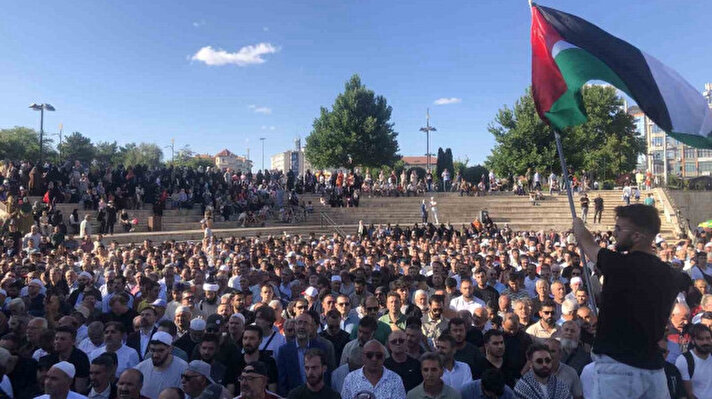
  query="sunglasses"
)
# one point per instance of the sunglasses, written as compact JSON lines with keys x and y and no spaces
{"x":397,"y":341}
{"x":372,"y":309}
{"x":547,"y":311}
{"x":247,"y":378}
{"x":543,"y":360}
{"x":188,"y":377}
{"x":343,"y":304}
{"x":374,"y":355}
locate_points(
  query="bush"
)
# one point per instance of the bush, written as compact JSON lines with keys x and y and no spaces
{"x":608,"y":185}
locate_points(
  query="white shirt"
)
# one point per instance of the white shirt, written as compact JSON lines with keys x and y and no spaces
{"x":530,"y":286}
{"x":128,"y":358}
{"x":458,"y":376}
{"x":702,"y":376}
{"x":7,"y":386}
{"x":277,"y":341}
{"x":87,"y":346}
{"x":460,"y":303}
{"x":70,"y":395}
{"x":587,"y":379}
{"x":160,"y":379}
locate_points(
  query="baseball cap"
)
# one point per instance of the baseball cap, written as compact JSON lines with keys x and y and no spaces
{"x":311,"y":291}
{"x":200,"y":367}
{"x":256,"y":368}
{"x":214,"y":321}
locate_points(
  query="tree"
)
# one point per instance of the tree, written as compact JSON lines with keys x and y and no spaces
{"x":356,"y":132}
{"x":145,"y":154}
{"x":77,"y":147}
{"x":22,"y":143}
{"x":440,"y":163}
{"x":448,"y":164}
{"x":188,"y":158}
{"x":107,"y":153}
{"x":607,"y":144}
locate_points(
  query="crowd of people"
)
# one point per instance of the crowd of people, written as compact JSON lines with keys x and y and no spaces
{"x":420,"y":311}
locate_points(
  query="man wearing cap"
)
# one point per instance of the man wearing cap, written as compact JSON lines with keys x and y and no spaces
{"x":251,"y":339}
{"x":253,"y":382}
{"x":163,"y":370}
{"x":114,"y":334}
{"x":35,"y":298}
{"x":195,"y":334}
{"x":196,"y":382}
{"x":58,"y":382}
{"x":182,"y":318}
{"x":64,"y":350}
{"x":209,"y":305}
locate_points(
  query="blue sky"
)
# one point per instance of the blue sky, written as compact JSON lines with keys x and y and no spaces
{"x":148,"y":70}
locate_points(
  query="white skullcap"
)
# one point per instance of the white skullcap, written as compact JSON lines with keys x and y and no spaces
{"x":197,"y":325}
{"x":210,"y":287}
{"x":37,"y":282}
{"x":85,"y":274}
{"x":67,"y":368}
{"x":238,"y":316}
{"x":162,"y":337}
{"x":224,"y":268}
{"x":576,"y":280}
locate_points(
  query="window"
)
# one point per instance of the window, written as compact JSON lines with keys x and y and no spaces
{"x":671,"y":154}
{"x":639,"y":124}
{"x":690,"y":167}
{"x":658,"y":169}
{"x":704,"y":153}
{"x":690,"y":153}
{"x":705,"y":167}
{"x":657,"y":155}
{"x":656,"y":141}
{"x":656,"y":129}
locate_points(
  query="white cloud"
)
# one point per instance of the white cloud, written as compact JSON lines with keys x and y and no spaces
{"x":247,"y":55}
{"x":447,"y":100}
{"x":267,"y":127}
{"x":260,"y":110}
{"x":265,"y":29}
{"x":198,"y":24}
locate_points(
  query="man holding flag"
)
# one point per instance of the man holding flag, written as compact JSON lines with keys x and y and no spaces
{"x":639,"y":289}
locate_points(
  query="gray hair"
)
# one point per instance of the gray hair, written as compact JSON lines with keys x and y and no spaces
{"x":568,"y":307}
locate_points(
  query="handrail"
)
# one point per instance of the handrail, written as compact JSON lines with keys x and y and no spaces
{"x":669,"y":210}
{"x":329,"y":221}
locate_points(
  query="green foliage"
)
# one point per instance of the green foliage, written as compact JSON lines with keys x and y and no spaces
{"x":188,"y":158}
{"x":473,"y":174}
{"x":77,"y":147}
{"x":24,"y":143}
{"x":356,"y":132}
{"x":448,"y":164}
{"x":440,"y":164}
{"x":106,"y":153}
{"x":606,"y":144}
{"x":145,"y":154}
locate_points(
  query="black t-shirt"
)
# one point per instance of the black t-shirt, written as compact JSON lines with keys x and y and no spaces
{"x":239,"y":363}
{"x":302,"y":392}
{"x":487,"y":294}
{"x":584,"y":202}
{"x":409,"y":371}
{"x":482,"y":364}
{"x":598,"y":203}
{"x":674,"y":381}
{"x":78,"y":358}
{"x":638,"y":292}
{"x":468,"y":354}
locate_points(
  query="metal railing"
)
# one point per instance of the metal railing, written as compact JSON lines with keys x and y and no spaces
{"x":671,"y":212}
{"x":326,"y":220}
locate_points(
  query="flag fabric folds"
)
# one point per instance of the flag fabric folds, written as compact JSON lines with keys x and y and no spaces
{"x":568,"y":51}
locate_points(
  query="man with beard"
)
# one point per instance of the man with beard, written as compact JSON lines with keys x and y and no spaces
{"x":235,"y":328}
{"x":564,"y":373}
{"x":209,"y":305}
{"x":572,"y":352}
{"x":338,"y":337}
{"x":516,"y":343}
{"x":434,"y":323}
{"x":162,"y":369}
{"x":455,"y":373}
{"x":468,"y":300}
{"x":546,"y":326}
{"x":315,"y":387}
{"x":253,"y":382}
{"x":539,"y":381}
{"x":114,"y":334}
{"x":196,"y":382}
{"x":494,"y":358}
{"x":251,"y":339}
{"x":130,"y":384}
{"x":696,"y":365}
{"x":139,"y":338}
{"x":626,"y":344}
{"x":465,"y":351}
{"x":189,"y":341}
{"x":400,"y":363}
{"x":207,"y":349}
{"x":482,"y":290}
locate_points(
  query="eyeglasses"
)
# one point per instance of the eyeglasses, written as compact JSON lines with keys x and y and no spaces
{"x":343,"y":304}
{"x":374,"y":355}
{"x":397,"y":341}
{"x":372,"y":309}
{"x":188,"y":377}
{"x":543,"y":360}
{"x":248,"y":378}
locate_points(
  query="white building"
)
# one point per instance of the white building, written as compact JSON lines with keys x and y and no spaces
{"x":291,"y":160}
{"x":225,"y":159}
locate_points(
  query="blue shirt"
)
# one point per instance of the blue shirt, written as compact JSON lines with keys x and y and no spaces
{"x":473,"y":390}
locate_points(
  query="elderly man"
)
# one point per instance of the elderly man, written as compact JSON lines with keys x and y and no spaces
{"x":58,"y":382}
{"x":431,"y":367}
{"x":399,"y":362}
{"x":114,"y":334}
{"x":572,"y":351}
{"x":676,"y":334}
{"x":373,"y":380}
{"x":189,"y":341}
{"x":130,"y":384}
{"x":563,"y":372}
{"x":162,"y":369}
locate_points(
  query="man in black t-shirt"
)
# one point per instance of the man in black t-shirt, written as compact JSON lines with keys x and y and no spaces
{"x":315,"y":387}
{"x":400,"y":363}
{"x":597,"y":208}
{"x":584,"y":207}
{"x":64,"y":350}
{"x":637,"y":295}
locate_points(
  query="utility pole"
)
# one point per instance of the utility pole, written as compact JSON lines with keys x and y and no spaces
{"x":262,"y":139}
{"x":61,"y":126}
{"x":427,"y":129}
{"x":173,"y":151}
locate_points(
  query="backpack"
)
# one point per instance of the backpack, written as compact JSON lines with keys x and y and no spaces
{"x":690,"y":363}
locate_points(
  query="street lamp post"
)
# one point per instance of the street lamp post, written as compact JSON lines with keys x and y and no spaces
{"x":427,"y":129}
{"x":41,"y":108}
{"x":262,"y":139}
{"x":173,"y":151}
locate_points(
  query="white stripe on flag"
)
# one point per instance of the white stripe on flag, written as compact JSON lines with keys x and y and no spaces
{"x":688,"y":110}
{"x":560,"y":46}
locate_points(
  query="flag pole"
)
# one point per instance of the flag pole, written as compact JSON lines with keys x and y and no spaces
{"x":570,"y":195}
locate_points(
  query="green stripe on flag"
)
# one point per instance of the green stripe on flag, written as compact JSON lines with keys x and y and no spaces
{"x":693,"y":140}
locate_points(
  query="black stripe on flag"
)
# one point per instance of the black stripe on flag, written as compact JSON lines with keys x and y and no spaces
{"x":625,"y":60}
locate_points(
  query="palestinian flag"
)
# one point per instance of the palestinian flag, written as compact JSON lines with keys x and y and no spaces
{"x":568,"y":51}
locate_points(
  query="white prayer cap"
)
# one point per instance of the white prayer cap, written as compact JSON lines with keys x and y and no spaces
{"x":197,"y":325}
{"x":238,"y":316}
{"x":37,"y":282}
{"x":67,"y":368}
{"x":162,"y":337}
{"x":210,"y":287}
{"x":85,"y":274}
{"x":576,"y":280}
